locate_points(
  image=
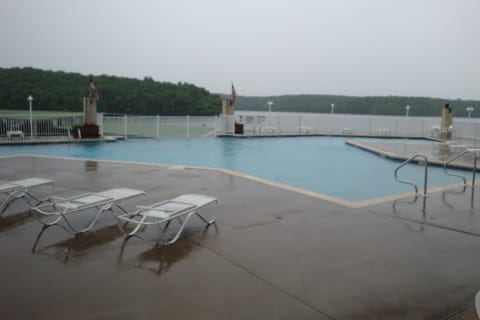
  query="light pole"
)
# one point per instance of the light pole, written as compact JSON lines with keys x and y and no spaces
{"x":407,"y":109}
{"x":30,"y":99}
{"x":469,"y":110}
{"x":332,"y":108}
{"x":269,"y":103}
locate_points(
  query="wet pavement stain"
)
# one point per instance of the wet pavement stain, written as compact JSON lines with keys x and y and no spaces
{"x":11,"y":221}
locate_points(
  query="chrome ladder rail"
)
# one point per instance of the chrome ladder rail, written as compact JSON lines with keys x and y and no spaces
{"x":413,"y":184}
{"x":461,"y":154}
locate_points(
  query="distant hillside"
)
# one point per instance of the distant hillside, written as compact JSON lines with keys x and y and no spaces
{"x":390,"y":105}
{"x":62,"y":91}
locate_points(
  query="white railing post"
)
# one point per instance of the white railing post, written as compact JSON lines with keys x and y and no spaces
{"x":188,"y":126}
{"x":125,"y":132}
{"x":332,"y":124}
{"x":216,"y":124}
{"x":33,"y":128}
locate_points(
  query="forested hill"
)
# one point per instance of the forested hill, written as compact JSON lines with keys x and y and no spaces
{"x":389,"y":105}
{"x":61,"y":91}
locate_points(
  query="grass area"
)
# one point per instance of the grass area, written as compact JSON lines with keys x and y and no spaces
{"x":35,"y":112}
{"x":165,"y":131}
{"x":39,"y":114}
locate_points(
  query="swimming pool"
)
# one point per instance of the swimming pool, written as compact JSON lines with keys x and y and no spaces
{"x":321,"y":164}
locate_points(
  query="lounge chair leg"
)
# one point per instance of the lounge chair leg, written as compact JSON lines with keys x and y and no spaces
{"x":35,"y":244}
{"x":166,"y":225}
{"x":5,"y":207}
{"x":177,"y":235}
{"x":205,"y":220}
{"x":6,"y":203}
{"x":137,"y":227}
{"x":92,"y":223}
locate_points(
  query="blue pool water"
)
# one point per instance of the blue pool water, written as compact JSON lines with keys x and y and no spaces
{"x":320,"y":164}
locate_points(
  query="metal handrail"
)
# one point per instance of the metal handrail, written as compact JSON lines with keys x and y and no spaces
{"x":418,"y":155}
{"x":461,"y":154}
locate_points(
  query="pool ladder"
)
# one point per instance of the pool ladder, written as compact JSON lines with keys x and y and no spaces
{"x":413,"y":184}
{"x":455,"y":157}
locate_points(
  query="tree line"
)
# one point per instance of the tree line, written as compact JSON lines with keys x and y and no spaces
{"x":62,"y":91}
{"x":387,"y":105}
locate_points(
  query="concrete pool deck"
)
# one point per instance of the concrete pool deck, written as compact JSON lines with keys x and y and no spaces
{"x":275,"y":254}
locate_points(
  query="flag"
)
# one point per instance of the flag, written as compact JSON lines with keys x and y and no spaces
{"x":234,"y":94}
{"x":93,"y":90}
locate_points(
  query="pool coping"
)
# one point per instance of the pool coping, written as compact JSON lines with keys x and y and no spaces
{"x":286,"y":187}
{"x":397,"y":157}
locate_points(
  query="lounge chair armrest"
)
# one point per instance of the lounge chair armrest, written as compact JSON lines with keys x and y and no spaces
{"x":127,"y":218}
{"x":46,"y":213}
{"x":58,"y":199}
{"x":165,"y":209}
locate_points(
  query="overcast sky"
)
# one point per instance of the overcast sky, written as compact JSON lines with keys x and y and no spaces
{"x":266,"y":47}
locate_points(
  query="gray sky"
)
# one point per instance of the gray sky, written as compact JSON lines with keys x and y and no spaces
{"x":266,"y":47}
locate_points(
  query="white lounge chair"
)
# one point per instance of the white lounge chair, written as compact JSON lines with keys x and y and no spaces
{"x":13,"y":190}
{"x":15,"y":134}
{"x":305,"y":129}
{"x":60,"y":208}
{"x":180,"y":208}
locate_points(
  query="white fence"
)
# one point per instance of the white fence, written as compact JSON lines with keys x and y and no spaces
{"x":466,"y":129}
{"x":39,"y":125}
{"x":253,"y":122}
{"x":159,"y":126}
{"x":322,"y":123}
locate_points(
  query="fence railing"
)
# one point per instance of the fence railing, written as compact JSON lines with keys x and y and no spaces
{"x":253,"y":122}
{"x":39,"y":125}
{"x":159,"y":126}
{"x":466,"y":129}
{"x":337,"y":123}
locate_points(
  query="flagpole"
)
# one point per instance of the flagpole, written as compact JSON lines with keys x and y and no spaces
{"x":30,"y":99}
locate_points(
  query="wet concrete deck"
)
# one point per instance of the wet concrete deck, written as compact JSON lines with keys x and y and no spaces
{"x":275,"y":254}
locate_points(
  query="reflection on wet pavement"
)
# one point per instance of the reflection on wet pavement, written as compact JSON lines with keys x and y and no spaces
{"x":11,"y":221}
{"x":78,"y":245}
{"x":161,"y":258}
{"x":91,"y":165}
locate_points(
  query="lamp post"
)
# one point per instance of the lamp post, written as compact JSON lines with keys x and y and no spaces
{"x":407,"y":109}
{"x":332,"y":108}
{"x":30,"y":99}
{"x":269,"y":103}
{"x":469,"y":110}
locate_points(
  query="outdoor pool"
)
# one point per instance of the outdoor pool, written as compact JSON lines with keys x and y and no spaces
{"x":321,"y":164}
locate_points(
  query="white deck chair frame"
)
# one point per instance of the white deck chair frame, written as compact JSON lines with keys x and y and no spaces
{"x":60,"y":208}
{"x":21,"y":189}
{"x":181,"y":208}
